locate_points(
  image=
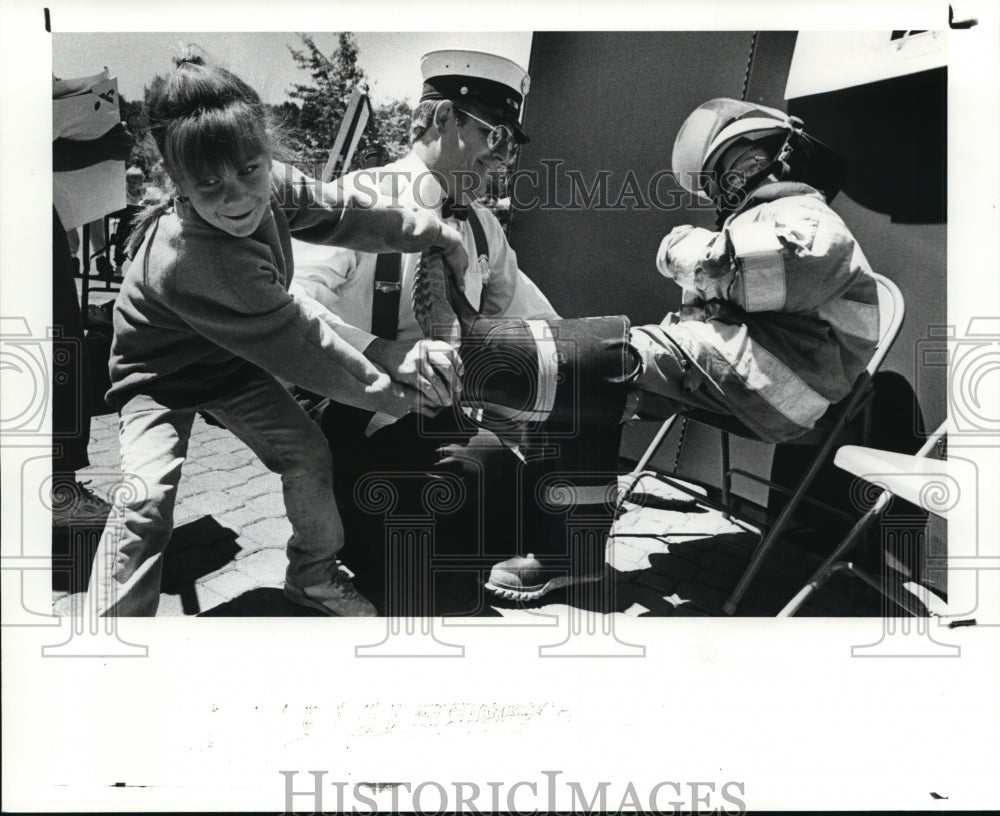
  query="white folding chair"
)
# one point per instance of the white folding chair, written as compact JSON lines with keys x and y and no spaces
{"x":894,"y":471}
{"x":823,"y":437}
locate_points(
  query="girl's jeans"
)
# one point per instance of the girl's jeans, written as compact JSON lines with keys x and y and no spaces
{"x":154,"y":444}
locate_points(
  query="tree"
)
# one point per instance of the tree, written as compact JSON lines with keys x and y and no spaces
{"x":144,"y":153}
{"x":392,"y":124}
{"x":324,"y":102}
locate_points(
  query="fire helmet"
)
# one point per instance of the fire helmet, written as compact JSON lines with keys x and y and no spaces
{"x":715,"y":126}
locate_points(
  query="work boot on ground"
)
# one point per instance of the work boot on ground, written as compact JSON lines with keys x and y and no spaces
{"x":336,"y":597}
{"x":525,"y":578}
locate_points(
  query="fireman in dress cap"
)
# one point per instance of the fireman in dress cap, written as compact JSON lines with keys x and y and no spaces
{"x":490,"y":83}
{"x":467,"y":124}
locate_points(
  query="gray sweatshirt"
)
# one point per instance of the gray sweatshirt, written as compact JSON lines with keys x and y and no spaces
{"x":198,"y":306}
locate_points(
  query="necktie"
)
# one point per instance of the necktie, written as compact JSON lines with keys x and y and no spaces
{"x":449,"y":209}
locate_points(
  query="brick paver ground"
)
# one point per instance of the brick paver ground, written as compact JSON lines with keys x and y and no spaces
{"x":667,"y":556}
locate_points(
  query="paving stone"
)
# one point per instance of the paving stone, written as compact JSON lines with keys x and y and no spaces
{"x":739,"y":546}
{"x":650,"y":484}
{"x":718,"y":580}
{"x":186,"y":512}
{"x":269,"y":531}
{"x":212,"y":480}
{"x":266,"y":566}
{"x":664,"y":583}
{"x":705,"y":598}
{"x":621,"y":562}
{"x":239,"y":517}
{"x":225,"y":442}
{"x":171,"y":606}
{"x":68,"y":606}
{"x":259,"y":485}
{"x":227,"y":460}
{"x":213,"y":504}
{"x":679,"y":569}
{"x":208,"y":598}
{"x":270,"y":505}
{"x":193,"y":468}
{"x":627,"y":561}
{"x":229,"y":584}
{"x":104,"y":457}
{"x":658,"y":522}
{"x":724,"y":563}
{"x":629,"y":594}
{"x":103,"y":431}
{"x":630,"y":553}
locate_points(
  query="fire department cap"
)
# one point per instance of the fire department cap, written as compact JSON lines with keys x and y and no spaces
{"x":487,"y":80}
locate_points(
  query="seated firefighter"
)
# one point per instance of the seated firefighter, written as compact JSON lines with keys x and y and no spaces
{"x":779,"y":317}
{"x":779,"y":311}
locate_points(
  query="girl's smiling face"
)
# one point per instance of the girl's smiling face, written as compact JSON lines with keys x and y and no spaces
{"x":233,"y":200}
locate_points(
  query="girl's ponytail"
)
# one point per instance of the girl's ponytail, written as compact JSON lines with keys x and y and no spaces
{"x":142,"y":224}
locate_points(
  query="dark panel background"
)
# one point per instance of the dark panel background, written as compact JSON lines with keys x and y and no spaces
{"x":613,"y":101}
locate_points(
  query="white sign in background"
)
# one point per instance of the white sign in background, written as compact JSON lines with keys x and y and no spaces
{"x":88,"y":112}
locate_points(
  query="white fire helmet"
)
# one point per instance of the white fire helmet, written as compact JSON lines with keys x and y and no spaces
{"x":710,"y":129}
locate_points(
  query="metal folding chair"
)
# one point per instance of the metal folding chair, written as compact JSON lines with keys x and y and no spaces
{"x":823,"y":437}
{"x":892,"y":470}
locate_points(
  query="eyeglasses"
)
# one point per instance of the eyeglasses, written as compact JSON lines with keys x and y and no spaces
{"x":499,"y":136}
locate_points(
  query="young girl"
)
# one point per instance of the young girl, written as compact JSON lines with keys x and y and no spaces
{"x":204,"y":322}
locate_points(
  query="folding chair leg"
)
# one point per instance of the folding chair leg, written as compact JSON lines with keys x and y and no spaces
{"x":824,"y":572}
{"x":783,"y":518}
{"x":835,"y":559}
{"x":725,"y":476}
{"x":636,"y":473}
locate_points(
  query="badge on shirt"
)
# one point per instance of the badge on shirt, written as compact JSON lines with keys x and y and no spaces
{"x":485,"y":270}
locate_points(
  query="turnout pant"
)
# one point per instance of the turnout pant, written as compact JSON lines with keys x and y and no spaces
{"x":503,"y":505}
{"x":547,"y":400}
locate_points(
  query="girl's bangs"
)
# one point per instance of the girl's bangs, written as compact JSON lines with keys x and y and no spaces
{"x":215,"y":140}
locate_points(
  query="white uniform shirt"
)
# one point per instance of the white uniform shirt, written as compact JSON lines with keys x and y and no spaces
{"x":343,"y":279}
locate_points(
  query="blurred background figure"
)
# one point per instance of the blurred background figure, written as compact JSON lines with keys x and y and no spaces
{"x":135,"y":186}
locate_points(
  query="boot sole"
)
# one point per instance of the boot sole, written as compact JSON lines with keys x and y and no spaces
{"x":533,"y":593}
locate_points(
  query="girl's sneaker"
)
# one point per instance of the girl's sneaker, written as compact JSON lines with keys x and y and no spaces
{"x":336,"y":597}
{"x":74,"y":502}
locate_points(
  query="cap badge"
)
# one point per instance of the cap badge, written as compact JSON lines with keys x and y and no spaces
{"x":525,"y":83}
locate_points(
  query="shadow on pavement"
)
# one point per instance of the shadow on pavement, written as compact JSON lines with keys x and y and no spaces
{"x":696,"y":577}
{"x":73,"y":550}
{"x":456,"y":593}
{"x":261,"y":602}
{"x":196,"y":549}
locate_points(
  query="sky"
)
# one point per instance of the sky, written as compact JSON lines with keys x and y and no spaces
{"x":391,"y":60}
